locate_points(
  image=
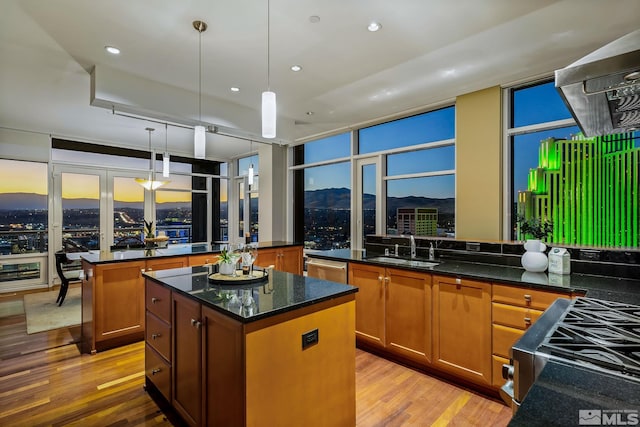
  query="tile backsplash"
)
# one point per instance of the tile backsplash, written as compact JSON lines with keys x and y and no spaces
{"x":624,"y":263}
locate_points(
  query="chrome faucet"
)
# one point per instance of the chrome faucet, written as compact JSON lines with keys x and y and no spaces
{"x":412,"y":240}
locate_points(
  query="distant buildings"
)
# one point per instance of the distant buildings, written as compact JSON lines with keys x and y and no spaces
{"x":588,"y":188}
{"x":418,"y":221}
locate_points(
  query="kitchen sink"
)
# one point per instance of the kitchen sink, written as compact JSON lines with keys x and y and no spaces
{"x":403,"y":262}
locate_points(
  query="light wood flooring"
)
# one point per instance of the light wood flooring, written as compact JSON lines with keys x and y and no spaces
{"x":45,"y":381}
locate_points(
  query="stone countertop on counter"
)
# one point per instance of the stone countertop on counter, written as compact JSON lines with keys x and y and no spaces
{"x":568,"y":395}
{"x":102,"y":257}
{"x":601,"y":287}
{"x":280,"y":293}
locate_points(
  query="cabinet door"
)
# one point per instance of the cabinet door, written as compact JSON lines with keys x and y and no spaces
{"x":462,"y":327}
{"x":267,"y":257}
{"x":187,"y":359}
{"x":119,"y":299}
{"x":291,"y":260}
{"x":167,"y":263}
{"x":223,"y":369}
{"x":408,"y":314}
{"x":369,"y":302}
{"x":202,"y":259}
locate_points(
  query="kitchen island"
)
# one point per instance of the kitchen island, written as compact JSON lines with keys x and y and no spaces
{"x":113,"y":286}
{"x":275,"y":352}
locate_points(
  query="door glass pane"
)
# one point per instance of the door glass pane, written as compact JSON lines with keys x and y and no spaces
{"x":23,"y":207}
{"x":174,"y":215}
{"x":368,"y":201}
{"x":327,"y":206}
{"x":128,"y":212}
{"x":80,"y":212}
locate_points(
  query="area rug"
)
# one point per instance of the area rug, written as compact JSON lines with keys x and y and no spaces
{"x":11,"y":308}
{"x":43,"y":314}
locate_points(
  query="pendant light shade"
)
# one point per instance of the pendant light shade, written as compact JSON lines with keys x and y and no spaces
{"x":165,"y":165}
{"x":199,"y":142}
{"x":250,"y":177}
{"x":268,"y":97}
{"x":268,"y":114}
{"x":150,"y":183}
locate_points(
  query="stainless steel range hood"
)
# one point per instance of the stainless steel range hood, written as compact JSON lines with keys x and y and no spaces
{"x":602,"y":90}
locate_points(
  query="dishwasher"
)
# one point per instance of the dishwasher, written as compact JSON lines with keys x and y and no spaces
{"x":334,"y":271}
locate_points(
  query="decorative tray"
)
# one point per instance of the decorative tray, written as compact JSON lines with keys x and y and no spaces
{"x":259,"y":276}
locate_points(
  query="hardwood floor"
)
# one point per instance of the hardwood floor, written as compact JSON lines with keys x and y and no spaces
{"x":44,"y":380}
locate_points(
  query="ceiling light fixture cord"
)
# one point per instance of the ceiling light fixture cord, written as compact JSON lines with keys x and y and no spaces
{"x":199,"y":136}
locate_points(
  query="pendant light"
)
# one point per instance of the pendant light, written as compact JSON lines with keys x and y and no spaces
{"x":250,"y":177}
{"x":150,"y":183}
{"x":268,"y":97}
{"x":165,"y":155}
{"x":199,"y":137}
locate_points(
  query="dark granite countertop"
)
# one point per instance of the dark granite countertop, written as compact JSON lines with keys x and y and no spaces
{"x":282,"y":292}
{"x":103,"y":257}
{"x":562,"y":391}
{"x":602,"y":287}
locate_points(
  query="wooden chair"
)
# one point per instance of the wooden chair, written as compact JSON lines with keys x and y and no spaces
{"x":61,"y":258}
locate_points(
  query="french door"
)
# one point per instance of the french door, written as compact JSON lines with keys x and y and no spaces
{"x":369,"y":199}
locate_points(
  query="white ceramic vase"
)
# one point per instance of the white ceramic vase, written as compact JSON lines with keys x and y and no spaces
{"x":534,"y":259}
{"x":226,"y":268}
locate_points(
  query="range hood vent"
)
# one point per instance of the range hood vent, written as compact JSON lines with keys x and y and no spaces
{"x":602,"y":90}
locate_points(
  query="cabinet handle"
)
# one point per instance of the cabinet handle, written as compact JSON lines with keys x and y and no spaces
{"x":386,"y":279}
{"x":196,"y":323}
{"x":380,"y":279}
{"x":155,"y":371}
{"x":155,"y":336}
{"x":527,"y":321}
{"x":458,"y":281}
{"x":150,"y":269}
{"x":527,"y":298}
{"x":154,"y":300}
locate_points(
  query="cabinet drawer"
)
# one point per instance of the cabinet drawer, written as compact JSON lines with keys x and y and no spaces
{"x":504,"y":338}
{"x":496,"y":377}
{"x":516,"y":317}
{"x":158,"y":371}
{"x":524,"y":297}
{"x":158,"y":300}
{"x":203,"y":259}
{"x":158,"y":335}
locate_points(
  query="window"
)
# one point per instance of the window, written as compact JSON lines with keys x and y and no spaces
{"x":23,"y":207}
{"x":420,"y":172}
{"x":587,"y":187}
{"x":411,"y":160}
{"x":249,"y":198}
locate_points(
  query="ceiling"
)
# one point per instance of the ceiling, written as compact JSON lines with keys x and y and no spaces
{"x":427,"y":53}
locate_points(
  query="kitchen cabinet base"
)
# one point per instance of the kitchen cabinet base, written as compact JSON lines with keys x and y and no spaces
{"x":163,"y":404}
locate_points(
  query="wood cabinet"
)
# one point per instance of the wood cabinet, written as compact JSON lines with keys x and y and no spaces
{"x":166,"y":263}
{"x":370,"y":309}
{"x":393,"y":310}
{"x":462,"y":328}
{"x":203,"y":259}
{"x":227,"y":373}
{"x":288,"y":258}
{"x":514,"y":310}
{"x":187,"y":359}
{"x":113,"y":301}
{"x":158,"y":337}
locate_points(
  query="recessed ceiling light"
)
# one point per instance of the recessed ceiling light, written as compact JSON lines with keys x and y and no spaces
{"x":314,"y":19}
{"x":296,"y":68}
{"x":112,"y":50}
{"x":374,"y":26}
{"x":309,"y":113}
{"x":235,"y":89}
